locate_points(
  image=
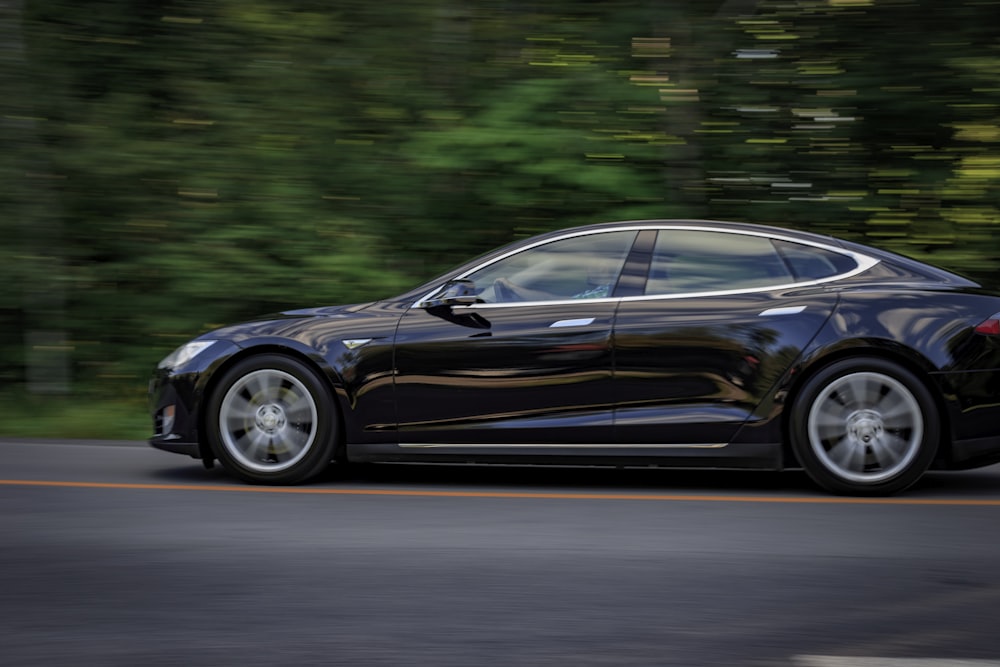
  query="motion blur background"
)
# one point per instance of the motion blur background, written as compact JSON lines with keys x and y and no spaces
{"x":171,"y":166}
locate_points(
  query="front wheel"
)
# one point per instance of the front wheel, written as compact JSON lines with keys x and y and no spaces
{"x":864,"y":427}
{"x":271,"y":420}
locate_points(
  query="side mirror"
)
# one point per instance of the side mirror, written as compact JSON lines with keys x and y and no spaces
{"x":454,"y":293}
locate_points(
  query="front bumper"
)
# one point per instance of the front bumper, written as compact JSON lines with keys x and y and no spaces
{"x":175,"y":415}
{"x":175,"y":396}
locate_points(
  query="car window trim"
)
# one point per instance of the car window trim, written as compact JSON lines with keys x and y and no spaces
{"x":864,"y":263}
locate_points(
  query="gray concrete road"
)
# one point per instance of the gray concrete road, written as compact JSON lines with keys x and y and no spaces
{"x":116,"y":554}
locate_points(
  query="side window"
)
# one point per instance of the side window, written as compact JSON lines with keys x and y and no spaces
{"x":580,"y":267}
{"x":811,"y":263}
{"x":707,"y":261}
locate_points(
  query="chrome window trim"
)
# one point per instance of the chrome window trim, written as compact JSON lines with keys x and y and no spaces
{"x":554,"y":302}
{"x":864,"y":262}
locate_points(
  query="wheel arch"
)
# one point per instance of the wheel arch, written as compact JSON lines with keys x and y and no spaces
{"x":330,"y":378}
{"x":886,"y":351}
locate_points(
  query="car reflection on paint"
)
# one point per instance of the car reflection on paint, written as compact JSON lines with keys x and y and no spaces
{"x":672,"y":343}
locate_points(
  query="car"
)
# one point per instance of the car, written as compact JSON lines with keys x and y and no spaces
{"x":675,"y":343}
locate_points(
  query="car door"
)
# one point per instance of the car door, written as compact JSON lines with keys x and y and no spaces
{"x":529,"y":363}
{"x":722,"y":317}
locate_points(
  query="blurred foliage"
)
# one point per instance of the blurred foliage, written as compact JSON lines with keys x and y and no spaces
{"x":74,"y":417}
{"x":173,"y":165}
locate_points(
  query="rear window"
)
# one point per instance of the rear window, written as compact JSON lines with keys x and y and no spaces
{"x":811,"y":263}
{"x":690,"y":261}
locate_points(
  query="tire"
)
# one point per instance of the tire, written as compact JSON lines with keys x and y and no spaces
{"x":864,"y":427}
{"x":272,"y":420}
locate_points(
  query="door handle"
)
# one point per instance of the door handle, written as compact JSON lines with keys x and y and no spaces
{"x":581,"y":322}
{"x":787,"y":310}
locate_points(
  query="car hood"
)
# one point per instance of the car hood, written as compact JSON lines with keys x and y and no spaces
{"x":306,"y":324}
{"x":322,"y":311}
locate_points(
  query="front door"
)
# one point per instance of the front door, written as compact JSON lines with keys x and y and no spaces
{"x":492,"y":373}
{"x":531,"y":364}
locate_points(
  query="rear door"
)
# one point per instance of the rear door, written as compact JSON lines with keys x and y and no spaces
{"x":722,"y":317}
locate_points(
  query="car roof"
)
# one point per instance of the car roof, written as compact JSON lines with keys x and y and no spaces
{"x":748,"y":227}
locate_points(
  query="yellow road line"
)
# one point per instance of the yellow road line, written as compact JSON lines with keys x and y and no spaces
{"x":667,"y":497}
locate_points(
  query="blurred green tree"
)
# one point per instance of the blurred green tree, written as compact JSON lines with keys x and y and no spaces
{"x":177,"y":164}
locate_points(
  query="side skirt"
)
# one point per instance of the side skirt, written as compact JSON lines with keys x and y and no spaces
{"x":757,"y":456}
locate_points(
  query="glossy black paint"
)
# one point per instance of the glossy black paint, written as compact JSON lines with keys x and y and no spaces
{"x":931,"y":332}
{"x":627,"y":379}
{"x":694,"y":370}
{"x":509,"y":377}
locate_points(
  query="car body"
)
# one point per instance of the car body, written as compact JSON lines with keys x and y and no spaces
{"x":672,"y":343}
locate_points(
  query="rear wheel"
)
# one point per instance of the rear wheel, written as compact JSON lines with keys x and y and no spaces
{"x":865,"y":427}
{"x":271,"y":420}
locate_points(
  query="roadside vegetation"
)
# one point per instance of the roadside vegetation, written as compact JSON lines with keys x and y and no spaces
{"x":169,"y":166}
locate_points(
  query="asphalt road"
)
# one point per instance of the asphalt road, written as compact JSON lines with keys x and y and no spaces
{"x":117,"y":554}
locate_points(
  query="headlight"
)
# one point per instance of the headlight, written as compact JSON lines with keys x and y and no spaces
{"x":185,"y":353}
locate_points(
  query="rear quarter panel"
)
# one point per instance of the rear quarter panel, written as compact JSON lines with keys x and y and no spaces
{"x":931,"y":332}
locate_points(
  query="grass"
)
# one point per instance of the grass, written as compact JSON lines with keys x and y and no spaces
{"x":74,"y":416}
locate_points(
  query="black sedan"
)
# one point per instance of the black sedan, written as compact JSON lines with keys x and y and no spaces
{"x":673,"y":343}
